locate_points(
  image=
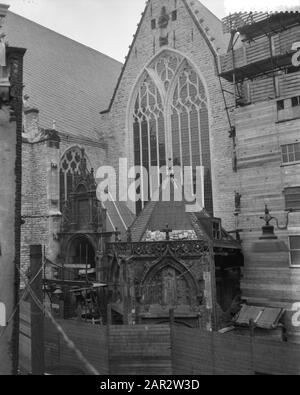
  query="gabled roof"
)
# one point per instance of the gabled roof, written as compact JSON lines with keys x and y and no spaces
{"x":211,"y":24}
{"x":159,"y":214}
{"x":211,"y":28}
{"x":67,"y":81}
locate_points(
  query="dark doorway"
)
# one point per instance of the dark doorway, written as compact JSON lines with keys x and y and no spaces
{"x":81,"y":262}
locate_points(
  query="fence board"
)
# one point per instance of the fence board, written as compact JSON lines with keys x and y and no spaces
{"x":25,"y":338}
{"x":91,"y":341}
{"x":198,"y":352}
{"x":140,"y":350}
{"x":161,"y":350}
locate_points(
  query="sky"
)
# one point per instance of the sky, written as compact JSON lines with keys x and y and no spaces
{"x":105,"y":25}
{"x":109,"y":25}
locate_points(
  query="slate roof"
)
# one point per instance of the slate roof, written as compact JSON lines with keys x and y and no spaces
{"x":157,"y":214}
{"x":67,"y":81}
{"x":118,"y":217}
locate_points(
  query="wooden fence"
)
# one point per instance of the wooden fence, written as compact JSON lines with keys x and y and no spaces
{"x":196,"y":352}
{"x":140,"y":350}
{"x":157,"y":350}
{"x":90,"y":340}
{"x":25,"y":338}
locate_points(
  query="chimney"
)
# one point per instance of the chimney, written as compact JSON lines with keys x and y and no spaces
{"x":31,"y":124}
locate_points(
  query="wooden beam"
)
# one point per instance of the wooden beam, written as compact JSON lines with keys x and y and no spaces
{"x":37,"y":314}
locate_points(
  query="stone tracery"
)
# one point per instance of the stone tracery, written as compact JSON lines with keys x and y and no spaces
{"x":170,"y":115}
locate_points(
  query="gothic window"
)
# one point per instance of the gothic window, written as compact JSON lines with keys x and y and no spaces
{"x":188,"y":118}
{"x":69,"y":167}
{"x":149,"y":127}
{"x":170,"y":118}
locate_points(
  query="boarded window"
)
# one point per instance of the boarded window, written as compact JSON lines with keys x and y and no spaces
{"x":296,"y":101}
{"x":292,"y":198}
{"x":290,"y":153}
{"x":280,"y":105}
{"x":295,"y":250}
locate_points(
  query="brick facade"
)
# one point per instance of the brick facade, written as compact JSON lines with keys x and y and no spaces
{"x":10,"y":207}
{"x":40,"y":205}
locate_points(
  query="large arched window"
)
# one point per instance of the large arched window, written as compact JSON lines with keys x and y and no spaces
{"x":170,"y":118}
{"x":70,"y":166}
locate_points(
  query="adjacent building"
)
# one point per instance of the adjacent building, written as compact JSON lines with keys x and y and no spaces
{"x":265,"y":136}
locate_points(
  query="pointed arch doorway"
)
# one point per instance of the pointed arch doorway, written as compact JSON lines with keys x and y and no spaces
{"x":81,"y":258}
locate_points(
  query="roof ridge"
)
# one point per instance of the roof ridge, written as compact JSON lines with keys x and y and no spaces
{"x":146,"y":212}
{"x":212,"y":14}
{"x":214,"y":44}
{"x":64,"y":36}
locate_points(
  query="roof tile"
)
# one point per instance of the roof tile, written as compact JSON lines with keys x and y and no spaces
{"x":67,"y":81}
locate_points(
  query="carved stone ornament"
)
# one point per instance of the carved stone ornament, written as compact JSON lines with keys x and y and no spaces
{"x":163,"y":23}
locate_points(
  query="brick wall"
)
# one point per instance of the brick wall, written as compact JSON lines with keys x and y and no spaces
{"x":40,"y":194}
{"x":10,"y":206}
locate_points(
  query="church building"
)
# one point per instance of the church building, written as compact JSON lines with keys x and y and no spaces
{"x":171,"y":105}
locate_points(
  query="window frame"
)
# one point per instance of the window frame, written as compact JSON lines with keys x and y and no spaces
{"x":285,"y":196}
{"x":166,"y":85}
{"x":288,"y":153}
{"x":295,"y":99}
{"x":280,"y":105}
{"x":174,"y":15}
{"x":290,"y":252}
{"x":63,"y":173}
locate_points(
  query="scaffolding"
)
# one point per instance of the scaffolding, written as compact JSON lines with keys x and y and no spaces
{"x":242,"y":63}
{"x":249,"y":28}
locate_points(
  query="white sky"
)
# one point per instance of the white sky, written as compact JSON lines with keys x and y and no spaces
{"x":108,"y":25}
{"x":105,"y":25}
{"x":261,"y":5}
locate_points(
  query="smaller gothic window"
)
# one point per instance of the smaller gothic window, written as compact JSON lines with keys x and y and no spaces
{"x":153,"y":24}
{"x":174,"y":15}
{"x":70,"y":166}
